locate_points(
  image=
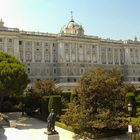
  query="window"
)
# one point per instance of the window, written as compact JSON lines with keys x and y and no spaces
{"x":10,"y":40}
{"x":29,"y":70}
{"x":37,"y":43}
{"x":54,"y":70}
{"x":1,"y":40}
{"x":68,"y":80}
{"x":46,"y":44}
{"x":66,"y":44}
{"x":81,"y":70}
{"x":20,"y":42}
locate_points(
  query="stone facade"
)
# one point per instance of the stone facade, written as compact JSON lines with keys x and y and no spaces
{"x":63,"y":57}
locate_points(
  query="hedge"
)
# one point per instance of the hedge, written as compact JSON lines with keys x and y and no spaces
{"x":44,"y":106}
{"x":55,"y":103}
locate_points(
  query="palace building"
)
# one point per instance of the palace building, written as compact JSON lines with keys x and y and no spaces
{"x":65,"y":56}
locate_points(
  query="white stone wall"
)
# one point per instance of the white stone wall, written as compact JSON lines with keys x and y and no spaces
{"x":64,"y":58}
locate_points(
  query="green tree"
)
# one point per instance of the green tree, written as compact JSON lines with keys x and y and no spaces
{"x":36,"y":92}
{"x":99,"y":100}
{"x":13,"y":78}
{"x":45,"y":88}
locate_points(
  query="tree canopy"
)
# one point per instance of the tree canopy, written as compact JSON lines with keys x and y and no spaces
{"x":36,"y":91}
{"x":99,"y":100}
{"x":13,"y":77}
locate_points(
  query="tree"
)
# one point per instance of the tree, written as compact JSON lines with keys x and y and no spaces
{"x":99,"y":101}
{"x":13,"y":78}
{"x":45,"y":88}
{"x":36,"y":92}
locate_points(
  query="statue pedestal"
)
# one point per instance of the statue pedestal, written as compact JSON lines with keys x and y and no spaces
{"x":52,"y":136}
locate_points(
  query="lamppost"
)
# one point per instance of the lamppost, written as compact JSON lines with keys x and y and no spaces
{"x":130,"y":107}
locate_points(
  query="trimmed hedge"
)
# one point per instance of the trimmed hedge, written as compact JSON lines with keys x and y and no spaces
{"x":44,"y":106}
{"x":55,"y":103}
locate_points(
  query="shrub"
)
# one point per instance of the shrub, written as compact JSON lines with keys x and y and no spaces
{"x":7,"y":106}
{"x":44,"y":106}
{"x":55,"y":103}
{"x":73,"y":95}
{"x":31,"y":101}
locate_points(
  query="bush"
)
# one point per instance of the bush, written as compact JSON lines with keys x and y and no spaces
{"x":31,"y":101}
{"x":55,"y":103}
{"x":44,"y":106}
{"x":73,"y":95}
{"x":7,"y":106}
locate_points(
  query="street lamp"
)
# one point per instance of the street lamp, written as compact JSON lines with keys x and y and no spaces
{"x":130,"y":107}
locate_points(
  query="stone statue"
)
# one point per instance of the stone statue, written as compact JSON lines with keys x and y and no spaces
{"x":51,"y":123}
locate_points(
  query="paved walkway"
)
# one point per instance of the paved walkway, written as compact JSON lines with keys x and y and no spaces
{"x":25,"y":128}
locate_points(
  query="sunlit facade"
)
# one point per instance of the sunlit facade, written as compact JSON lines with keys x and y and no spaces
{"x":65,"y":56}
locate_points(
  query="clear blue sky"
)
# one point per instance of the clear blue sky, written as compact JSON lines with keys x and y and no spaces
{"x":116,"y":19}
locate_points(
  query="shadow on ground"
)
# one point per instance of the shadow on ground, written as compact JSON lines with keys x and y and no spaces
{"x":25,"y":122}
{"x":2,"y":135}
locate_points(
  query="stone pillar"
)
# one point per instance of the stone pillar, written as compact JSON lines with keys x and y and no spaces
{"x":16,"y":48}
{"x":76,"y":52}
{"x":134,"y":52}
{"x":119,"y":56}
{"x":43,"y":58}
{"x":5,"y":45}
{"x":70,"y":52}
{"x":106,"y":50}
{"x":24,"y":59}
{"x":33,"y":52}
{"x":98,"y":55}
{"x":113,"y":57}
{"x":51,"y":53}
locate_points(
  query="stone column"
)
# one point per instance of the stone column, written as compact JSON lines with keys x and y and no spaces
{"x":70,"y":52}
{"x":16,"y":48}
{"x":119,"y":56}
{"x":98,"y":55}
{"x":5,"y":45}
{"x":51,"y":53}
{"x":24,"y":59}
{"x":91,"y":55}
{"x":134,"y":52}
{"x":33,"y":52}
{"x":76,"y":52}
{"x":113,"y":57}
{"x":106,"y":50}
{"x":43,"y":58}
